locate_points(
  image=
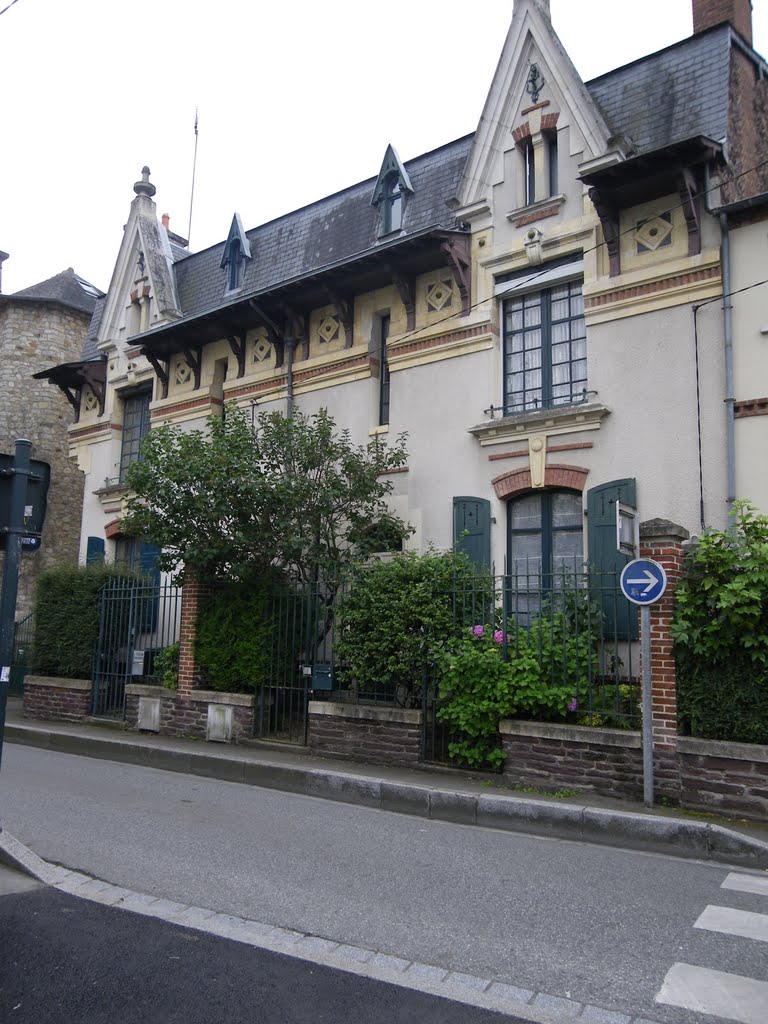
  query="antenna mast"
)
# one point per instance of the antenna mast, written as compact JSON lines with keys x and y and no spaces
{"x":192,"y":192}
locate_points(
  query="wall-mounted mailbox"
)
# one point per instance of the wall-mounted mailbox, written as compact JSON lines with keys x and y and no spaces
{"x":322,"y":677}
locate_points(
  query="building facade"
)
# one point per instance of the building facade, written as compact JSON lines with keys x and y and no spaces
{"x":46,"y":322}
{"x":538,"y":305}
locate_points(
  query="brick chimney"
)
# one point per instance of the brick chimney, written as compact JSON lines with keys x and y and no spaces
{"x":707,"y":13}
{"x":166,"y":221}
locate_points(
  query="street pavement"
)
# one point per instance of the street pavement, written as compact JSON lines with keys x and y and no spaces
{"x":576,"y":929}
{"x":68,"y":960}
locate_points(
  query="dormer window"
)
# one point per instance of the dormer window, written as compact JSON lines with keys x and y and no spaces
{"x":237,"y":250}
{"x":391,"y":192}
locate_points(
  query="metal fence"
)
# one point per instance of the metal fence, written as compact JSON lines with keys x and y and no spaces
{"x":23,"y":638}
{"x":138,"y":618}
{"x":576,"y":623}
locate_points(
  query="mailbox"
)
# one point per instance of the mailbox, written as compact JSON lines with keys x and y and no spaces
{"x":322,"y":677}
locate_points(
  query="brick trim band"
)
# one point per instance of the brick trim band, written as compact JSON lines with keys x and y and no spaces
{"x":509,"y":485}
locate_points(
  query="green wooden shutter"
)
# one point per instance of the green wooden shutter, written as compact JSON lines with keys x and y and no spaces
{"x":94,"y":553}
{"x":620,"y":616}
{"x":472,"y":529}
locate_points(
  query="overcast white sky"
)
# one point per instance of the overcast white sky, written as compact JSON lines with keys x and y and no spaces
{"x":297,"y":99}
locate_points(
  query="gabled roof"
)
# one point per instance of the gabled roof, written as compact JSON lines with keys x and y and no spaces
{"x":675,"y":94}
{"x":65,"y":289}
{"x":328,"y":231}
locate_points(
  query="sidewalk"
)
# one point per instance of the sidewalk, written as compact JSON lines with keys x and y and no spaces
{"x":439,"y":793}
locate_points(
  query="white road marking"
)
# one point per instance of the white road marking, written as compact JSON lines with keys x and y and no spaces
{"x":746,"y":883}
{"x":725,"y":995}
{"x":735,"y":922}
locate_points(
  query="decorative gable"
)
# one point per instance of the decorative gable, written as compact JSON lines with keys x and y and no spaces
{"x":237,"y":250}
{"x":389,"y":194}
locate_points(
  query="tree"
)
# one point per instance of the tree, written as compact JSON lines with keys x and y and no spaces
{"x":237,"y":498}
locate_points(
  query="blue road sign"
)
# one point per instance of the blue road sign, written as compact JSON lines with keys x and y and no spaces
{"x":643,"y":581}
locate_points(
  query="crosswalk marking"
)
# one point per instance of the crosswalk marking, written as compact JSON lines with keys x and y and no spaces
{"x":734,"y":922}
{"x":724,"y":995}
{"x":746,"y":883}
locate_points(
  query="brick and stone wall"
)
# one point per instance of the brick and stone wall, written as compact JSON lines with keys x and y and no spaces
{"x":551,"y":755}
{"x":64,"y":700}
{"x":365,"y":732}
{"x":33,"y":337}
{"x":727,"y":778}
{"x":189,"y":717}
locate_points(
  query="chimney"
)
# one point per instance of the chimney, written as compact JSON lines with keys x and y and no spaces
{"x":166,"y":221}
{"x":707,"y":13}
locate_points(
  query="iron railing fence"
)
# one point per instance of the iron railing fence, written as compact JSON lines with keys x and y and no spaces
{"x":574,"y":621}
{"x":23,"y":640}
{"x":138,"y":618}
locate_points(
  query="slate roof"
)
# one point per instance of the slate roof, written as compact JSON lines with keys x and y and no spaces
{"x":330,"y":230}
{"x":89,"y":345}
{"x":675,"y":94}
{"x":66,"y":289}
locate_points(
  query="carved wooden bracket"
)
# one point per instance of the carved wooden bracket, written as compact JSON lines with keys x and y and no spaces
{"x":194,"y":360}
{"x":406,"y":291}
{"x":237,"y":344}
{"x":161,"y":369}
{"x":95,"y":376}
{"x":457,"y":251}
{"x":690,"y":206}
{"x":73,"y":397}
{"x":346,"y":310}
{"x":296,"y":325}
{"x":609,"y":219}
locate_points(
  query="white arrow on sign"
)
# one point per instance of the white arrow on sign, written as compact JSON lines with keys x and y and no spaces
{"x":650,"y":582}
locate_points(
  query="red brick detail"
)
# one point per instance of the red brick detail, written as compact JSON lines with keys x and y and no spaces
{"x":133,"y":353}
{"x":444,"y":339}
{"x":549,"y":122}
{"x":669,"y":554}
{"x":56,"y":703}
{"x":680,"y":280}
{"x":529,"y":218}
{"x":523,"y":131}
{"x":194,"y":593}
{"x":750,"y":407}
{"x":192,"y":403}
{"x":707,"y":13}
{"x":113,"y":529}
{"x":519,"y":453}
{"x":396,"y":469}
{"x":510,"y":485}
{"x":96,"y":428}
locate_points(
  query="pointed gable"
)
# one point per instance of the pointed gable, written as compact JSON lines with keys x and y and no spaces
{"x":390,"y":191}
{"x":535,"y":88}
{"x":237,"y":250}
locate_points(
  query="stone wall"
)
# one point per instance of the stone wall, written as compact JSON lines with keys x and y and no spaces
{"x":727,"y":778}
{"x":33,"y":337}
{"x":64,"y":700}
{"x":190,"y":717}
{"x":383,"y":735}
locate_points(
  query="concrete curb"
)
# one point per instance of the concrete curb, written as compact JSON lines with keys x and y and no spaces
{"x":625,"y":829}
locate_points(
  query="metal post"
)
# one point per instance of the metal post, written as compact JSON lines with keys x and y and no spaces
{"x":645,"y":654}
{"x":10,"y":585}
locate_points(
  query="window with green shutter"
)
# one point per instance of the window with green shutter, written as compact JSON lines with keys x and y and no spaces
{"x":472,"y":529}
{"x":620,"y":617}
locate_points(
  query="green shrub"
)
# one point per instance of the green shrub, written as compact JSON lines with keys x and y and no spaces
{"x":394,"y":613}
{"x":167,"y":666}
{"x":720,"y":632}
{"x":67,"y":619}
{"x":232,"y":637}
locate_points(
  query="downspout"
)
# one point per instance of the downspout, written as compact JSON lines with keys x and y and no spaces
{"x":730,"y":440}
{"x":290,"y":345}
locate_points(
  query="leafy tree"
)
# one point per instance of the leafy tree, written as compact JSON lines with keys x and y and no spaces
{"x":233,"y":499}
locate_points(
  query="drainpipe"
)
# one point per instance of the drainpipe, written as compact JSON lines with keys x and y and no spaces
{"x":730,"y":441}
{"x":290,"y":345}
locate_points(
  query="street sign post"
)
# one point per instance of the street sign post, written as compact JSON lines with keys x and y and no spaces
{"x":643,"y":582}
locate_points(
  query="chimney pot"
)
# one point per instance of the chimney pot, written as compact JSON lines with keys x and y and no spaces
{"x":166,"y":221}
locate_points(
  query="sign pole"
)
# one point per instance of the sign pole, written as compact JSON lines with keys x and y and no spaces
{"x":20,"y":473}
{"x":647,"y":704}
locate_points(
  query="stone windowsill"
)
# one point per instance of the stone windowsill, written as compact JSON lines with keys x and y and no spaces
{"x":571,"y":733}
{"x":533,"y":208}
{"x":583,"y":416}
{"x":58,"y":682}
{"x":368,"y":712}
{"x":722,"y":748}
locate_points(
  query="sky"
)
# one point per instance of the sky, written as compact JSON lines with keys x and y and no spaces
{"x":296,"y":100}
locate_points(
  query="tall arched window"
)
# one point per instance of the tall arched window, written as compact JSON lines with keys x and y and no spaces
{"x":545,"y":536}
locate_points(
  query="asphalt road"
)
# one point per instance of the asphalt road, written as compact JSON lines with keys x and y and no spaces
{"x":69,"y":961}
{"x":594,"y":924}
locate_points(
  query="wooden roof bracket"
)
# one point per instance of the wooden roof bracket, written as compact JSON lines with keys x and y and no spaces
{"x":346,"y":310}
{"x":161,"y":369}
{"x":237,"y":344}
{"x":456,"y":249}
{"x":689,"y":202}
{"x":407,"y":293}
{"x":194,"y":360}
{"x":609,"y":220}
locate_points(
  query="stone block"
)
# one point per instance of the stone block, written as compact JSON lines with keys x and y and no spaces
{"x":535,"y":817}
{"x":405,"y":799}
{"x":457,"y":807}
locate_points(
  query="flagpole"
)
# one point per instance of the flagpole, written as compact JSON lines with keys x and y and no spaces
{"x":192,"y":192}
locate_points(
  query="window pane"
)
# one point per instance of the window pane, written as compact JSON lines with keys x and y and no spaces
{"x":525,"y":513}
{"x":560,"y":309}
{"x":567,"y":551}
{"x":566,"y":509}
{"x":533,"y":359}
{"x":532,"y":314}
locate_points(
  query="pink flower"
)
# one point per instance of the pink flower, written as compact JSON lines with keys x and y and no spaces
{"x":498,"y":636}
{"x":573,"y":704}
{"x":477,"y":630}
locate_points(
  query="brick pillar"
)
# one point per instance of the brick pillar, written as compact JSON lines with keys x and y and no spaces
{"x":663,"y":541}
{"x":193,"y":595}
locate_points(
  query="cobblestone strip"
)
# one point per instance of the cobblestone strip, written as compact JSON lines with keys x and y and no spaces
{"x":538,"y":1007}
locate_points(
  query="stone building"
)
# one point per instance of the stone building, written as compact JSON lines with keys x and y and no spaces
{"x":38,"y":325}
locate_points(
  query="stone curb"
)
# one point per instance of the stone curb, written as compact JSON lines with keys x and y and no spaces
{"x":626,"y":829}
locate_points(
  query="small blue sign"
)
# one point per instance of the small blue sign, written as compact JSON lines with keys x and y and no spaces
{"x":643,"y":581}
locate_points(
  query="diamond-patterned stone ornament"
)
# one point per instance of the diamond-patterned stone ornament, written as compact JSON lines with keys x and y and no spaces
{"x":439,"y":294}
{"x":329,"y":328}
{"x":182,"y":372}
{"x":90,"y":401}
{"x":653,"y":233}
{"x":261,"y":348}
